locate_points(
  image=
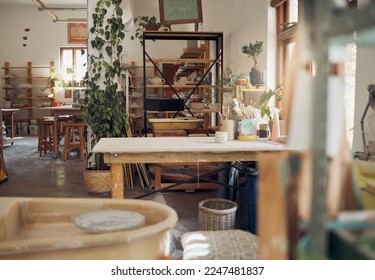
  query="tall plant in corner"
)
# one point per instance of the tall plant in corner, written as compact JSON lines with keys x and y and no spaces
{"x":103,"y":106}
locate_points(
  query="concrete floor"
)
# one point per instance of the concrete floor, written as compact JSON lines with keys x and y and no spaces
{"x":34,"y":176}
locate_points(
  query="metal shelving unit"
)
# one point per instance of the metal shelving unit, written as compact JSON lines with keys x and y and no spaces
{"x":208,"y":64}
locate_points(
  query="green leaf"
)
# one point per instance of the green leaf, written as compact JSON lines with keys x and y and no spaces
{"x":263,"y":98}
{"x":119,"y":12}
{"x":103,"y":106}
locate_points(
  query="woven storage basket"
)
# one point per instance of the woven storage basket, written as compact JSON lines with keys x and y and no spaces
{"x":217,"y":214}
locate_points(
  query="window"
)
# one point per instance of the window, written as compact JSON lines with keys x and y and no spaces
{"x":73,"y":63}
{"x":287,"y":20}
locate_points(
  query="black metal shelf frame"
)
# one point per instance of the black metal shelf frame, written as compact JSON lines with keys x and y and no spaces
{"x":216,"y":37}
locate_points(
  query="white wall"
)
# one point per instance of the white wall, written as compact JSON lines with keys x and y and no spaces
{"x":242,"y":21}
{"x":44,"y":37}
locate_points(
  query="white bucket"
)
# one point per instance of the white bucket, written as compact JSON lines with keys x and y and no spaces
{"x":34,"y":129}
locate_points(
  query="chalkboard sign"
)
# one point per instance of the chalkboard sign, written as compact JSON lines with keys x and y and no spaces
{"x":180,"y":11}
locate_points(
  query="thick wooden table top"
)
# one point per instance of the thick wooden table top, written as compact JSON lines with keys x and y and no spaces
{"x":181,"y":149}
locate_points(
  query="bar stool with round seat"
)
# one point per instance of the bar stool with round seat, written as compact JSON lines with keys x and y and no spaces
{"x":46,"y":132}
{"x":71,"y":131}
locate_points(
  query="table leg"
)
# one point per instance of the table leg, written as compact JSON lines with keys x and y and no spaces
{"x":55,"y":138}
{"x":272,"y":214}
{"x":12,"y":126}
{"x":117,"y":176}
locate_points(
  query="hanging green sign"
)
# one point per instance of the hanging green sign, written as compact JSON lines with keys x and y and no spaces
{"x":180,"y":11}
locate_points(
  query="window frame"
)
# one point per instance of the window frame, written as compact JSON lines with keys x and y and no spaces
{"x":285,"y":35}
{"x":73,"y":49}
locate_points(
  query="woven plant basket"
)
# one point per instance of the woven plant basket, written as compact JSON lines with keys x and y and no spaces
{"x":217,"y":214}
{"x":97,"y":181}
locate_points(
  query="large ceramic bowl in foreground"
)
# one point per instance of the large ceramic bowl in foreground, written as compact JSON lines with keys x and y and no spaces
{"x":44,"y":228}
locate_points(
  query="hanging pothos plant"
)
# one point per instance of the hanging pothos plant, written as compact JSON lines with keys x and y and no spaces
{"x":103,"y":106}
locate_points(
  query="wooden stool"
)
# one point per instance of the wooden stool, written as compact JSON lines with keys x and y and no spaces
{"x":70,"y":141}
{"x":46,"y":130}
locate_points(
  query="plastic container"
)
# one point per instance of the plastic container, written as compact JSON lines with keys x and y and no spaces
{"x":34,"y":129}
{"x":247,"y":129}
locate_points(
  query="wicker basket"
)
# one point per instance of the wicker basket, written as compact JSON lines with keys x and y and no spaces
{"x":217,"y":214}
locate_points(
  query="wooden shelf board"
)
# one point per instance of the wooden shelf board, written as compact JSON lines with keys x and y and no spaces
{"x":183,"y":60}
{"x":178,"y":86}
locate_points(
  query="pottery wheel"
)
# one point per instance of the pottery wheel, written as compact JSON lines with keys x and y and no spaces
{"x":109,"y":220}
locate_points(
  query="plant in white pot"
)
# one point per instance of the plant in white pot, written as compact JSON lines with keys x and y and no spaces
{"x":103,"y":106}
{"x":253,"y":51}
{"x":267,"y":112}
{"x":265,"y":97}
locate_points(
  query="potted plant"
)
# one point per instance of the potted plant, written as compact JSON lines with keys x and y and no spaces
{"x":253,"y":51}
{"x":103,"y":106}
{"x":239,"y":80}
{"x":265,"y":98}
{"x":227,"y":76}
{"x":147,"y":23}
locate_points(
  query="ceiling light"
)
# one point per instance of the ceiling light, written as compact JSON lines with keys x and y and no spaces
{"x":62,"y":9}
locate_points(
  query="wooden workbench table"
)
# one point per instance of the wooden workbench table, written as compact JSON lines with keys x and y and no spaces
{"x":272,"y":225}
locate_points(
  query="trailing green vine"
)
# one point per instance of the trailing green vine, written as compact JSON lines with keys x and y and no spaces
{"x":103,"y":106}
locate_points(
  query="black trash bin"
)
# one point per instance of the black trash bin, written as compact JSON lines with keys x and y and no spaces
{"x":242,"y":179}
{"x":247,"y":201}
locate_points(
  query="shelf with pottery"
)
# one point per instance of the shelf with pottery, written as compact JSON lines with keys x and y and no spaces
{"x":179,"y":86}
{"x":25,"y":87}
{"x":249,"y":94}
{"x":183,"y":60}
{"x":187,"y":66}
{"x":179,"y":79}
{"x":190,"y":61}
{"x":23,"y":77}
{"x":135,"y":74}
